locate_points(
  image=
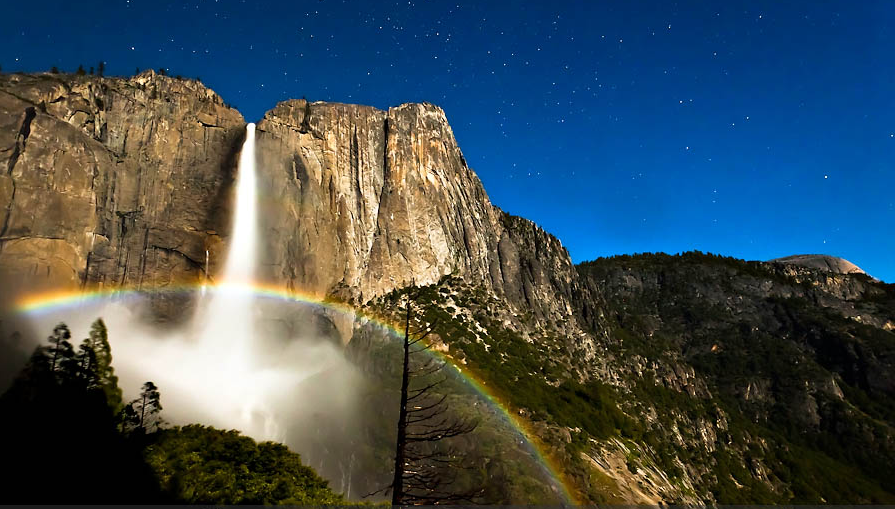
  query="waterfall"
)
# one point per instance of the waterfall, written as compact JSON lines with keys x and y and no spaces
{"x":224,"y":325}
{"x":227,"y":320}
{"x":240,"y":267}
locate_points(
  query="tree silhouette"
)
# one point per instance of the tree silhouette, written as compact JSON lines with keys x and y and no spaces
{"x":142,"y":414}
{"x":56,"y":415}
{"x":426,"y":466}
{"x":97,"y":347}
{"x":100,"y":68}
{"x":86,"y":367}
{"x":60,"y":351}
{"x":80,"y":71}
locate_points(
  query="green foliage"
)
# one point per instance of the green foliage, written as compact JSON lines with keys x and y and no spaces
{"x":493,"y":453}
{"x":61,"y":416}
{"x":201,"y":465}
{"x":519,"y":372}
{"x":726,"y":319}
{"x":526,"y":376}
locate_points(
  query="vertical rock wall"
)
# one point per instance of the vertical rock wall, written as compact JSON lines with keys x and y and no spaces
{"x":110,"y":181}
{"x":360,"y":201}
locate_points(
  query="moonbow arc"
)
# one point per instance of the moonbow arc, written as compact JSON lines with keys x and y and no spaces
{"x":37,"y":304}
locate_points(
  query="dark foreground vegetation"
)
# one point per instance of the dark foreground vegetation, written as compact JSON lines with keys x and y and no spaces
{"x":67,"y":437}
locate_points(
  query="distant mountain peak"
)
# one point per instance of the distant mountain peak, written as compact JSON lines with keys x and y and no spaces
{"x":823,"y":262}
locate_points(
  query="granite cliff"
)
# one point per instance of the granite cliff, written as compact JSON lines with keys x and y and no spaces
{"x":112,"y":182}
{"x":364,"y":201}
{"x":124,"y":181}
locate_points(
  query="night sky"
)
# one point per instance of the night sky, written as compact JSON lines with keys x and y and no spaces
{"x":752,"y":129}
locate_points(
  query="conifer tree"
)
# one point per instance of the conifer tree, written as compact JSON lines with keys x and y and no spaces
{"x":86,"y":360}
{"x":60,"y":350}
{"x":98,"y":344}
{"x":142,"y":414}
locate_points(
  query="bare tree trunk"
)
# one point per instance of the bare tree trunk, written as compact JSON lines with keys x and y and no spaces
{"x":143,"y":413}
{"x":398,"y":482}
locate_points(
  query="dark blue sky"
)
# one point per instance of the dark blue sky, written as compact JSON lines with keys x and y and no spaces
{"x":754,"y":129}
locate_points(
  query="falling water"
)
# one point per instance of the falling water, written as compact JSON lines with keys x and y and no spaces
{"x":240,"y":266}
{"x":205,"y":275}
{"x":227,"y":321}
{"x":225,"y":324}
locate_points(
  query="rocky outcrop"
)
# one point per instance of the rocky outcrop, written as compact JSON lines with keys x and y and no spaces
{"x":823,"y":262}
{"x":361,"y":201}
{"x":111,"y":181}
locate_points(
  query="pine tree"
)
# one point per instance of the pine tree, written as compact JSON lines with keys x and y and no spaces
{"x":142,"y":414}
{"x":101,"y":68}
{"x":60,"y":351}
{"x":81,"y":71}
{"x":86,"y":359}
{"x":98,"y":344}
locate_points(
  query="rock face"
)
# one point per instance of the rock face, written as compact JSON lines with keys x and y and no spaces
{"x":126,"y":183}
{"x":110,"y":181}
{"x":823,"y":262}
{"x":362,"y":201}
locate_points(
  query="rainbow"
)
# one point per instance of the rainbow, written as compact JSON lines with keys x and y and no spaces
{"x":36,"y":304}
